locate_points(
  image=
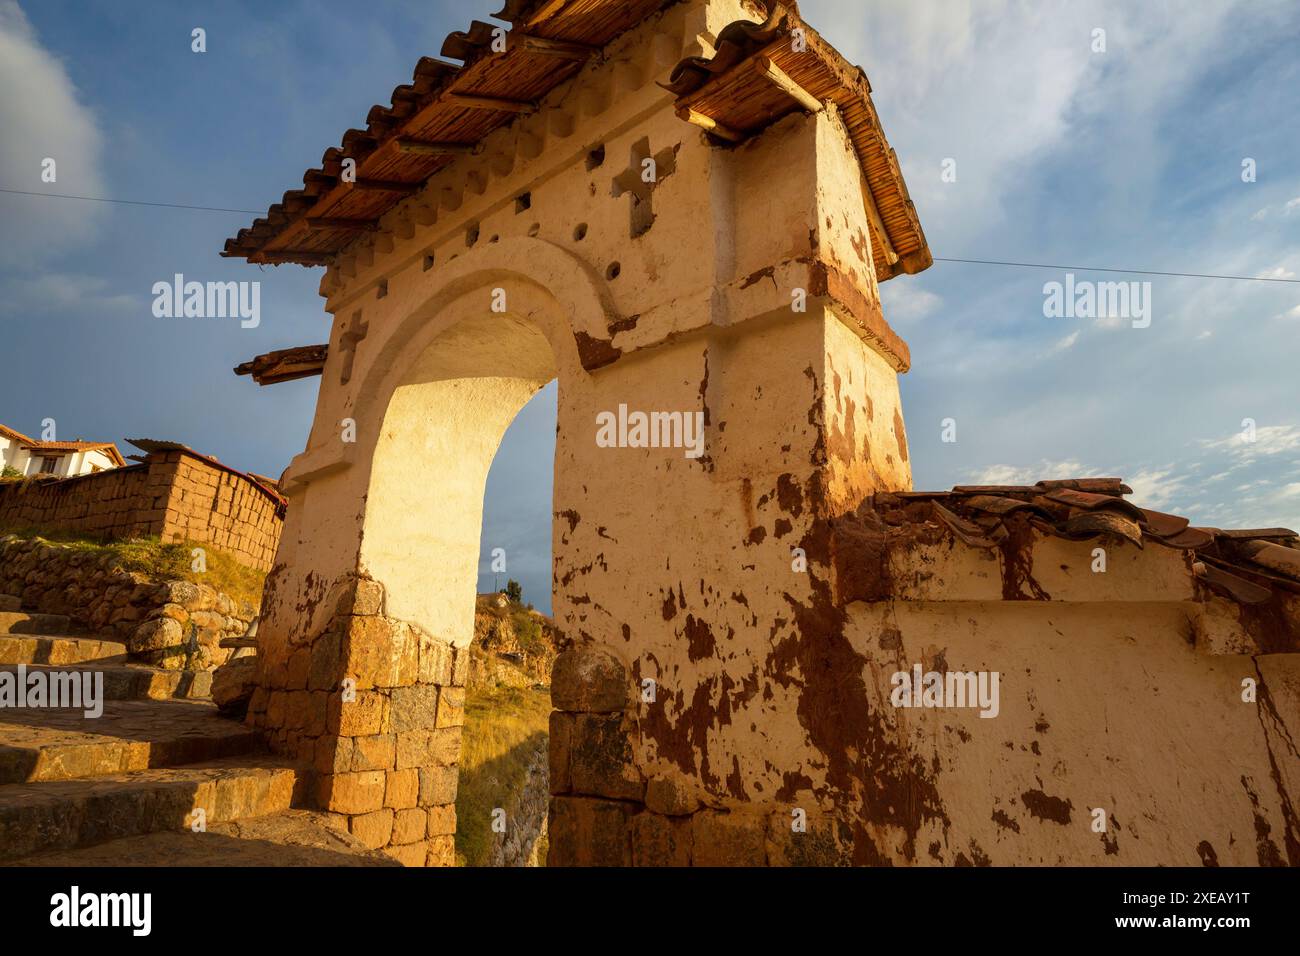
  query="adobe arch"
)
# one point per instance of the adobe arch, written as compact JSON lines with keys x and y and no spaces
{"x":750,"y":296}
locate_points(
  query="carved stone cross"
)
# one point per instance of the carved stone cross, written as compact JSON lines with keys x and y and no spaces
{"x":352,"y":335}
{"x":641,"y":178}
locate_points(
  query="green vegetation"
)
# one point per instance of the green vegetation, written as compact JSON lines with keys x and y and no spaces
{"x":514,"y":591}
{"x":504,"y":728}
{"x":529,"y":631}
{"x":10,"y":472}
{"x":167,"y":562}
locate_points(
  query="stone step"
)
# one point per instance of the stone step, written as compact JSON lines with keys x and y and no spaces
{"x":21,"y":622}
{"x":287,"y":838}
{"x":58,"y":649}
{"x":139,"y":682}
{"x":47,"y":744}
{"x":44,"y":817}
{"x":10,"y":602}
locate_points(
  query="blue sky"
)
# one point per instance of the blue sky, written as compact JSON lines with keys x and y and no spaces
{"x":1127,"y":158}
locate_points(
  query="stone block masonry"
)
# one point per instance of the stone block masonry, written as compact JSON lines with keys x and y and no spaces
{"x":375,"y":707}
{"x":175,"y":494}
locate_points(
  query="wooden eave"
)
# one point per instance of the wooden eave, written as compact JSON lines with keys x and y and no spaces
{"x":448,"y":109}
{"x":757,"y":77}
{"x":286,"y":365}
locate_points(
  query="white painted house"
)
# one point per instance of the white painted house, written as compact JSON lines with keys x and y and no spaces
{"x":63,"y":459}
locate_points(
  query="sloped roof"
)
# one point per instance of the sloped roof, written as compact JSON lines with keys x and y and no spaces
{"x":154,"y":446}
{"x":7,"y":432}
{"x":762,"y":72}
{"x":445,"y":111}
{"x":1245,"y":565}
{"x":63,"y":447}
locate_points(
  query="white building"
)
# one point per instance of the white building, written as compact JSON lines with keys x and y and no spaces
{"x":64,"y":459}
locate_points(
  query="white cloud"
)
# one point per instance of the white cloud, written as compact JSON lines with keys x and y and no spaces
{"x":997,"y":85}
{"x":904,"y":300}
{"x":1268,"y":440}
{"x":1292,"y":205}
{"x":53,"y":293}
{"x":1028,"y":474}
{"x":42,"y":118}
{"x":1277,"y":272}
{"x":1064,"y":345}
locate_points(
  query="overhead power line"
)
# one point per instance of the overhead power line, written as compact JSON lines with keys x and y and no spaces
{"x":980,"y":262}
{"x":1139,"y":272}
{"x":131,"y":202}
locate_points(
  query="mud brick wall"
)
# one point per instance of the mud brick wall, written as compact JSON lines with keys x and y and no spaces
{"x":174,"y":494}
{"x":205,"y":503}
{"x":103,"y":504}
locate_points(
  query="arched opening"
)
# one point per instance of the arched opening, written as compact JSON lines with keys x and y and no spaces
{"x":503,"y":793}
{"x":424,"y":537}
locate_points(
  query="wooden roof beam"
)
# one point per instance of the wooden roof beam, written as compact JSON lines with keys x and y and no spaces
{"x":416,"y":147}
{"x":387,"y":186}
{"x":564,"y":49}
{"x":317,"y":223}
{"x":878,"y":224}
{"x":470,"y":101}
{"x":780,"y":79}
{"x":709,"y":124}
{"x":284,"y":256}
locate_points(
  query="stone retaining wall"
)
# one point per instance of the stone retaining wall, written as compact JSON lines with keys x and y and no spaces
{"x":169,"y":624}
{"x":176,"y":495}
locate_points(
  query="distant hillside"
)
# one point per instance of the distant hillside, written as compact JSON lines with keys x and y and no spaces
{"x":513,"y":644}
{"x":503,"y":761}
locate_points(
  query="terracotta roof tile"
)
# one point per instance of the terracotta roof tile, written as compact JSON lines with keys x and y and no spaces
{"x":1246,"y":565}
{"x":444,"y":103}
{"x":7,"y":432}
{"x":758,"y":75}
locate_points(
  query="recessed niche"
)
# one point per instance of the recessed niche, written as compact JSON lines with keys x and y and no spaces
{"x":596,"y":157}
{"x":428,"y":262}
{"x":613,"y":271}
{"x":580,"y":233}
{"x":523,"y":202}
{"x":471,"y":236}
{"x":535,"y":229}
{"x":381,"y":289}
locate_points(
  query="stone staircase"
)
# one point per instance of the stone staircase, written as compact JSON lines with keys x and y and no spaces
{"x":123,"y":788}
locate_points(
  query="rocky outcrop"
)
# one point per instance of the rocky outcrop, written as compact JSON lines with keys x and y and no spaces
{"x":526,"y":814}
{"x":175,"y":625}
{"x":512,"y":645}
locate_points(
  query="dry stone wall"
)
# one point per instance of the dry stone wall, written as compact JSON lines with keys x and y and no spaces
{"x":176,"y":495}
{"x":174,"y":625}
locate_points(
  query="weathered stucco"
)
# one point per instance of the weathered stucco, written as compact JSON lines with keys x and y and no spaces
{"x":735,"y":620}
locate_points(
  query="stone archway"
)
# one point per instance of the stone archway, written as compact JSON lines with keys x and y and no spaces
{"x":741,"y":292}
{"x":366,"y":677}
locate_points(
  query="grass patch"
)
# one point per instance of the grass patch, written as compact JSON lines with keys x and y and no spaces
{"x":167,"y":561}
{"x":504,"y":728}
